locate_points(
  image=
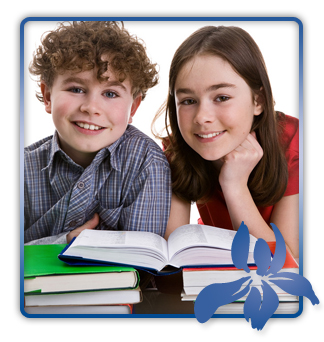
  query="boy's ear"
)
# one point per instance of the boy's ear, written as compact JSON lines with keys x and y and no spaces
{"x":137,"y":101}
{"x":258,"y":100}
{"x":46,"y":92}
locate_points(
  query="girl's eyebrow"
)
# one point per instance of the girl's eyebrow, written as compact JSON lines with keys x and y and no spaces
{"x":211,"y":88}
{"x":221,"y":85}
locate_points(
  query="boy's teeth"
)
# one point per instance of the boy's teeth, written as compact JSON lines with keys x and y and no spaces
{"x":87,"y":126}
{"x":210,"y":135}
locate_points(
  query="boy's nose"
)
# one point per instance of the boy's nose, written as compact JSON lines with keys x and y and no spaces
{"x":90,"y":105}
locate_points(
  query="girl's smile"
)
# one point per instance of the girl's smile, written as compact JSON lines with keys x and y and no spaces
{"x":215,"y":106}
{"x":208,"y":137}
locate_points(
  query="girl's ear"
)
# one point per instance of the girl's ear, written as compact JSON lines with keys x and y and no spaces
{"x":258,"y":100}
{"x":46,"y":92}
{"x":137,"y":101}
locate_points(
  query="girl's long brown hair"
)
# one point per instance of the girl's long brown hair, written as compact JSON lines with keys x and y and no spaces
{"x":194,"y":178}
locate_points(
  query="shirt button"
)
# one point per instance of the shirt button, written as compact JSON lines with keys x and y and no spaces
{"x":72,"y":223}
{"x":80,"y":185}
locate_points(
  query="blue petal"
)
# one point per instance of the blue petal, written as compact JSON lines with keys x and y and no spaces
{"x":215,"y":295}
{"x":279,"y":256}
{"x":262,"y":257}
{"x":252,"y":304}
{"x":240,"y":248}
{"x":258,"y":311}
{"x":296,"y":285}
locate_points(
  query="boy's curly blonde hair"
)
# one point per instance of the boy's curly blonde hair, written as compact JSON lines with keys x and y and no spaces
{"x":80,"y":45}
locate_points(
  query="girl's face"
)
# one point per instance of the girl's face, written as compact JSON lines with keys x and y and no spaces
{"x":215,"y":106}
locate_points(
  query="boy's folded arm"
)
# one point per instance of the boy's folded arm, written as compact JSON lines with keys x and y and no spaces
{"x":91,"y":224}
{"x":66,"y":237}
{"x":149,"y":211}
{"x":48,"y":240}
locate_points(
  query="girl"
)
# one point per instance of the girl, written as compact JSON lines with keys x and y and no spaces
{"x":229,"y":150}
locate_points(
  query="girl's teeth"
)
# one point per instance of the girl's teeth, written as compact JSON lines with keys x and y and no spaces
{"x":205,"y":136}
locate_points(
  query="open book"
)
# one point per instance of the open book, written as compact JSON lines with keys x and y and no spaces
{"x":188,"y":245}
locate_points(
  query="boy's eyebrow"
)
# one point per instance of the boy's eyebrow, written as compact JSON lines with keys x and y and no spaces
{"x":84,"y":81}
{"x":211,"y":88}
{"x":72,"y":79}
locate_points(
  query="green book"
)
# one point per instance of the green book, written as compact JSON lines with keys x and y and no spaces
{"x":45,"y":273}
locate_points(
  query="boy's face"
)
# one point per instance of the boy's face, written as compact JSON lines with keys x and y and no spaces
{"x":89,"y":115}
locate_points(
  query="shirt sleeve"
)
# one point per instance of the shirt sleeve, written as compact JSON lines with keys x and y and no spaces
{"x":151,"y":207}
{"x":292,"y":155}
{"x":48,"y":240}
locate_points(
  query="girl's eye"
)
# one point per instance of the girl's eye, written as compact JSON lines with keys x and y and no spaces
{"x":222,"y":98}
{"x":188,"y":102}
{"x":110,"y":94}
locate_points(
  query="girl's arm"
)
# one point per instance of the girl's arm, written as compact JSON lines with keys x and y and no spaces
{"x":179,"y":215}
{"x":241,"y":207}
{"x":285,"y":216}
{"x":233,"y":179}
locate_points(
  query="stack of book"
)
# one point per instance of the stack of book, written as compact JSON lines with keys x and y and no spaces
{"x":206,"y":248}
{"x":54,"y":287}
{"x":196,"y":279}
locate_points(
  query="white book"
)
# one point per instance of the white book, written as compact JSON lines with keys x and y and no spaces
{"x":190,"y":244}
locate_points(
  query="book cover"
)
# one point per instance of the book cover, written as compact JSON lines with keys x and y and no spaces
{"x":44,"y":272}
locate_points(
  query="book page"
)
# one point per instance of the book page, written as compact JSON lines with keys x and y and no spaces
{"x":185,"y":236}
{"x":223,"y":238}
{"x":202,"y":235}
{"x":121,"y":239}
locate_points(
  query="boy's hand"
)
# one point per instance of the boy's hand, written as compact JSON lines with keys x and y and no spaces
{"x":239,"y":163}
{"x":91,"y":224}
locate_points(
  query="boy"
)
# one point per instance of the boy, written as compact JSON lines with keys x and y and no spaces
{"x":96,"y":171}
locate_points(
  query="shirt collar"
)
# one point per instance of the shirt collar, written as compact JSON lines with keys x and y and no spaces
{"x":56,"y":149}
{"x":112,"y":150}
{"x":115,"y":161}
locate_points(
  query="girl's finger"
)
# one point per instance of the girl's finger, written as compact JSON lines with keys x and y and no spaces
{"x":253,"y":134}
{"x":253,"y":140}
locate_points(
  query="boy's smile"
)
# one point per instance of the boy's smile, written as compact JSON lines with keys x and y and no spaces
{"x":89,"y":115}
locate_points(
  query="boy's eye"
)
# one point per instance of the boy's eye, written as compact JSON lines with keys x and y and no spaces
{"x":76,"y":90}
{"x":222,"y":98}
{"x":110,"y":94}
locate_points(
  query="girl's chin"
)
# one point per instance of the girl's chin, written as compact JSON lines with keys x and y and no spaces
{"x":215,"y":158}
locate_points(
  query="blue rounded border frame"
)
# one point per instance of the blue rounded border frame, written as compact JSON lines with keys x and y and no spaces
{"x":21,"y":154}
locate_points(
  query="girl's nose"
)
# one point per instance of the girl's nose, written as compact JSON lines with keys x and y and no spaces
{"x":204,"y":114}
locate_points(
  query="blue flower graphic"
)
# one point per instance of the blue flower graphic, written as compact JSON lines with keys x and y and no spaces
{"x":256,"y":308}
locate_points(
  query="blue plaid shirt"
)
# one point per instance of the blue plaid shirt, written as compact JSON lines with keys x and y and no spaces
{"x":128,"y":184}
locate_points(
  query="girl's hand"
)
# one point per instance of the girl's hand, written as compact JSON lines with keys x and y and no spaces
{"x":238,"y":164}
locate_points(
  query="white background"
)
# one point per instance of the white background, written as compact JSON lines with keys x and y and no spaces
{"x":15,"y":326}
{"x":162,"y":38}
